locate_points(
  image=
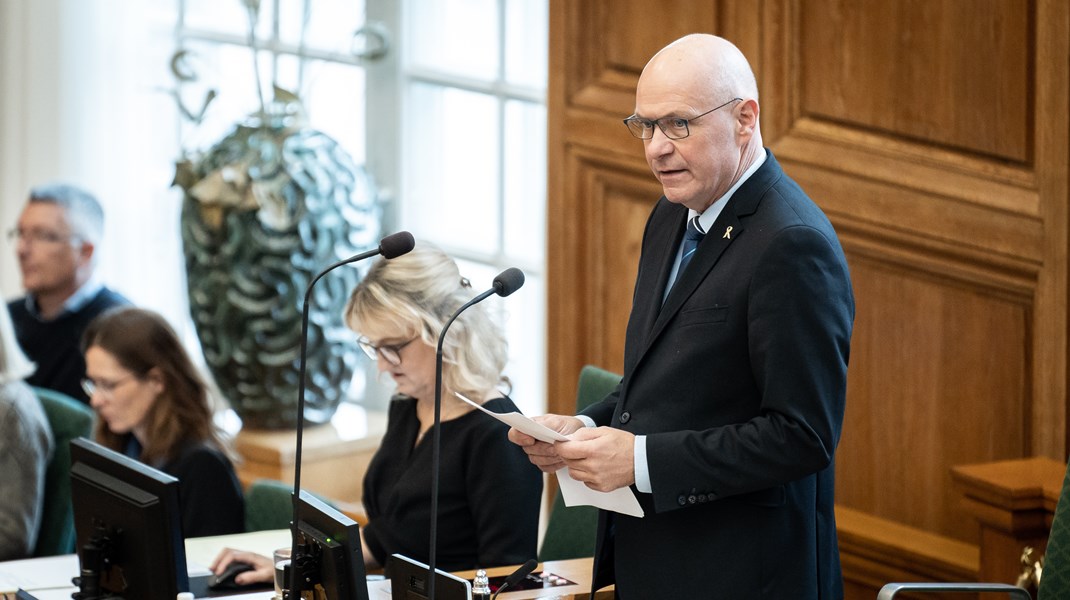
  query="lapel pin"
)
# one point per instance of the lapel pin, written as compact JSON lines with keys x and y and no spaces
{"x":727,"y":233}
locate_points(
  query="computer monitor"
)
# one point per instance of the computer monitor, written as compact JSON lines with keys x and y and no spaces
{"x":128,"y":526}
{"x":409,"y":581}
{"x":330,"y":556}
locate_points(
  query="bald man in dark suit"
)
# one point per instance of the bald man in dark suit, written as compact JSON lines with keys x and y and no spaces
{"x":726,"y":421}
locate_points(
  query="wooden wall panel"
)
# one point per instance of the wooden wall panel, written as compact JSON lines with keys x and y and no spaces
{"x":952,"y":358}
{"x":616,"y":203}
{"x":944,"y":72}
{"x":634,"y":32}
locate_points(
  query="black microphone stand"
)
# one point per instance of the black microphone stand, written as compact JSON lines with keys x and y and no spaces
{"x":391,"y":246}
{"x":505,"y":283}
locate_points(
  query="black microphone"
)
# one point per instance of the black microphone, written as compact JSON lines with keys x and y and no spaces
{"x":516,"y":576}
{"x":392,"y":246}
{"x":507,"y":282}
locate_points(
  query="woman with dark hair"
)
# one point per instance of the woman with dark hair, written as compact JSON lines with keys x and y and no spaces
{"x":152,"y":405}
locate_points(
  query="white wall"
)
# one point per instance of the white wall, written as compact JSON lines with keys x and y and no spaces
{"x":84,"y":100}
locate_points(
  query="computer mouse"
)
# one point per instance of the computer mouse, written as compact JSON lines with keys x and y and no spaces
{"x":225,"y":580}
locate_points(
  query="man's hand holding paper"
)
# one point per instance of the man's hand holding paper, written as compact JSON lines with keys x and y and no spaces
{"x":603,"y":458}
{"x":594,"y":466}
{"x":541,"y":449}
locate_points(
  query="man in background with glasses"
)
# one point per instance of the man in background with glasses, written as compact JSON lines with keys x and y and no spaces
{"x":727,"y":418}
{"x":55,"y":242}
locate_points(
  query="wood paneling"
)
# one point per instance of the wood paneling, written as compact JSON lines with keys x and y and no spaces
{"x":941,"y":366}
{"x":944,"y":72}
{"x":934,"y":133}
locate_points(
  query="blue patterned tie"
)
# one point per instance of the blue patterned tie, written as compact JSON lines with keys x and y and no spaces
{"x":692,"y":237}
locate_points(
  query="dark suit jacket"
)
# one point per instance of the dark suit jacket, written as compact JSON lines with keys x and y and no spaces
{"x":738,"y":381}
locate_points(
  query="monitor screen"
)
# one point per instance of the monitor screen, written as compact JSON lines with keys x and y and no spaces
{"x":128,"y":524}
{"x":329,"y":543}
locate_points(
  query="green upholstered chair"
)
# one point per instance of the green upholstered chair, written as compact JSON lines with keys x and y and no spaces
{"x":1054,"y":580}
{"x":570,"y":532}
{"x":268,"y":505}
{"x":69,"y":419}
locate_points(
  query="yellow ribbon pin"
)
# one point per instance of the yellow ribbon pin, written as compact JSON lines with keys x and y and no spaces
{"x":727,"y":233}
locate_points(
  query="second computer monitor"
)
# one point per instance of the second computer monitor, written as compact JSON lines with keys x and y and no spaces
{"x":128,"y":526}
{"x":333,"y":557}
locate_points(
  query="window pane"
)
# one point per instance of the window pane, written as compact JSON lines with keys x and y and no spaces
{"x":331,"y":23}
{"x":458,"y":37}
{"x":228,"y":71}
{"x":525,"y":181}
{"x":335,"y":103}
{"x":526,"y":42}
{"x":452,"y":168}
{"x":227,"y":16}
{"x":521,"y":315}
{"x":525,"y":329}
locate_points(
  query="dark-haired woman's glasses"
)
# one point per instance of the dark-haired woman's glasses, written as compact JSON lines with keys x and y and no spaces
{"x":105,"y":388}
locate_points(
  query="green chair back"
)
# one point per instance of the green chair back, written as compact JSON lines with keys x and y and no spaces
{"x":570,"y":532}
{"x":1055,"y":579}
{"x":69,"y":419}
{"x":268,"y":505}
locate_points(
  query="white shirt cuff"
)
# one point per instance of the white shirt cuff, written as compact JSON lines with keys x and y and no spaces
{"x":642,"y":470}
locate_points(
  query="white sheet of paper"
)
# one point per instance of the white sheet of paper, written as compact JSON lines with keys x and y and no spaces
{"x":522,"y":423}
{"x":573,"y":492}
{"x":38,"y":573}
{"x":576,"y":493}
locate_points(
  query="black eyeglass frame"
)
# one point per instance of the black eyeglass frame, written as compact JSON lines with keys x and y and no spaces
{"x":639,"y":126}
{"x":391,"y":353}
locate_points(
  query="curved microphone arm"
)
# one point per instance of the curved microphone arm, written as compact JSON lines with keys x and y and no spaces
{"x":507,"y":282}
{"x":391,"y":246}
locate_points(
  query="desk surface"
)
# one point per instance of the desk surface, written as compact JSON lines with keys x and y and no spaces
{"x":50,"y":578}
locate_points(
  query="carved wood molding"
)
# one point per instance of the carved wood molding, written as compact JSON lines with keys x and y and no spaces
{"x":875,"y":551}
{"x":1013,"y":502}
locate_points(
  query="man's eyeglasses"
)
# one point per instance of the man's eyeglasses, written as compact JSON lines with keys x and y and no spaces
{"x":106,"y":388}
{"x":39,"y":236}
{"x":674,"y":128}
{"x":391,"y":353}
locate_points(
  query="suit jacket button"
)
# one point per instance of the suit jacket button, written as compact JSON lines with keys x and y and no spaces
{"x":692,"y":499}
{"x":625,"y":417}
{"x":682,"y":500}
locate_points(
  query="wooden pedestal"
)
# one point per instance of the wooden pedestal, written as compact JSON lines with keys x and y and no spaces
{"x":333,"y":460}
{"x":1013,"y":502}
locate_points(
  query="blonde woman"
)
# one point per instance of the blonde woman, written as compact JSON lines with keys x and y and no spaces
{"x":489,"y":492}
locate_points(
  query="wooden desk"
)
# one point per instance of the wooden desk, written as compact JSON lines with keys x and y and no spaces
{"x":203,"y":550}
{"x":578,"y":570}
{"x":52,"y":575}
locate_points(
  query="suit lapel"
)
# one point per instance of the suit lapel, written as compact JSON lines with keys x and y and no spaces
{"x":706,"y":256}
{"x":743,"y":203}
{"x":649,"y":305}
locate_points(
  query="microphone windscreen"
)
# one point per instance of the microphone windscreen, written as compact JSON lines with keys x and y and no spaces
{"x":508,"y":281}
{"x":519,"y":574}
{"x":396,"y":244}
